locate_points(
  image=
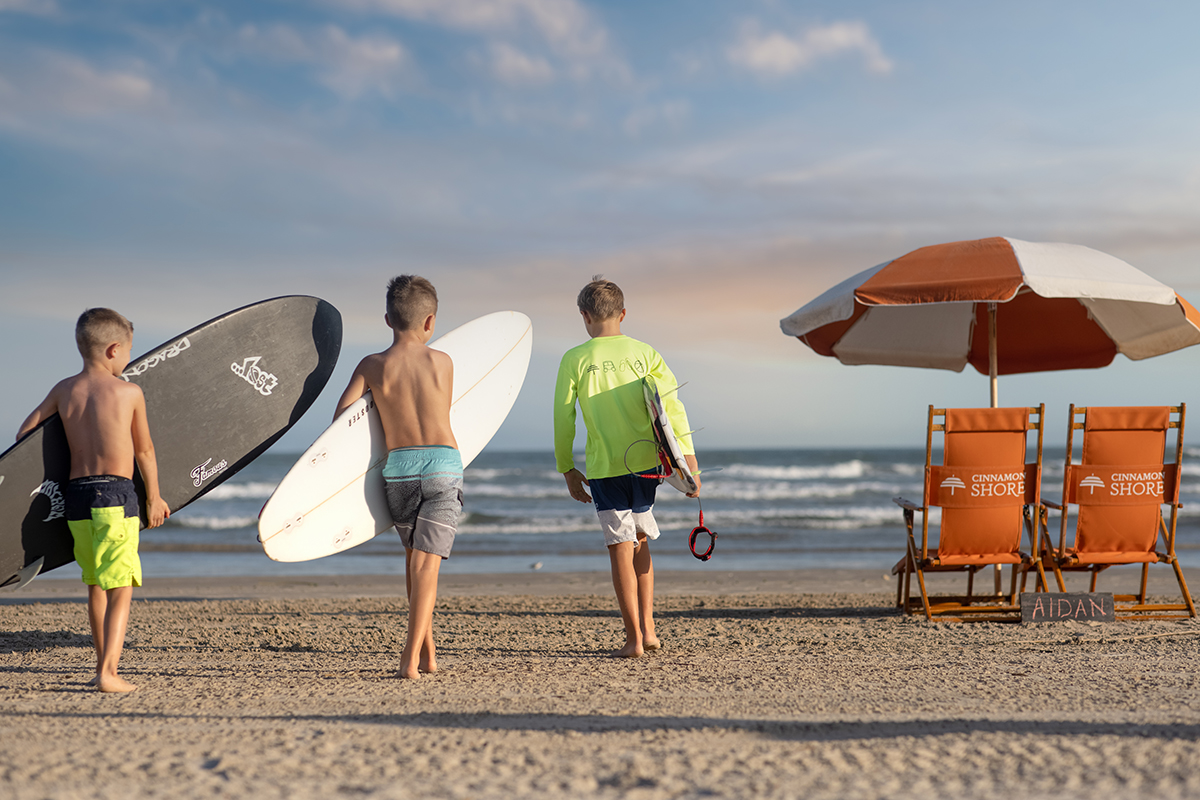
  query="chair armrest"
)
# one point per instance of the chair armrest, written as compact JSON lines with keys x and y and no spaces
{"x":1051,"y":504}
{"x":907,"y":504}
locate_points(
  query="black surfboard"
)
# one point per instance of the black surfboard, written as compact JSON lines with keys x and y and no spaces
{"x":217,"y":396}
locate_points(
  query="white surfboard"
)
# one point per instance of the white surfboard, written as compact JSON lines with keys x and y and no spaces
{"x":671,"y":454}
{"x":333,"y":497}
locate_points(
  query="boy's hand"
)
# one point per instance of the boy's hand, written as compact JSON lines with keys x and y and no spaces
{"x":694,"y":468}
{"x":575,"y":484}
{"x":156,"y":512}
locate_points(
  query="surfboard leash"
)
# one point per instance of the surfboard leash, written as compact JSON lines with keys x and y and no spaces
{"x":664,"y":468}
{"x":697,"y":531}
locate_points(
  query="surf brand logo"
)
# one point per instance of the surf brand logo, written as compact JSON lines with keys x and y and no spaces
{"x":251,"y":373}
{"x":636,"y":367}
{"x":1093,"y":483}
{"x":58,"y":505}
{"x":1136,"y":484}
{"x":202,"y":473}
{"x":1002,"y":484}
{"x":952,"y":483}
{"x":153,"y":361}
{"x":361,"y":413}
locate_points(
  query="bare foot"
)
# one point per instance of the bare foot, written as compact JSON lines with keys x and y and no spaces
{"x":650,"y":643}
{"x":95,"y":679}
{"x":411,"y":673}
{"x":628,"y":651}
{"x":428,"y":665}
{"x":113,"y":683}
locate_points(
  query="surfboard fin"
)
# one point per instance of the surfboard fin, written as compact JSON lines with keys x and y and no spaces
{"x":26,"y":574}
{"x":710,"y":469}
{"x":676,"y":389}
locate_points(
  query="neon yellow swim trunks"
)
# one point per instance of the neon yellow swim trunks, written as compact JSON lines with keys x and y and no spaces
{"x":102,"y":513}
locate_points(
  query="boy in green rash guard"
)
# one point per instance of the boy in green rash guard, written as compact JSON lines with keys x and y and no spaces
{"x":604,"y":376}
{"x":104,"y":418}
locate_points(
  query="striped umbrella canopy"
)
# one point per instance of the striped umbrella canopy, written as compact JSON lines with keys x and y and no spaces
{"x":1002,"y":305}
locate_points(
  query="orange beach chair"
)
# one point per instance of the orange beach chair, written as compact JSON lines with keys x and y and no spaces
{"x":1120,"y":487}
{"x":987,"y":493}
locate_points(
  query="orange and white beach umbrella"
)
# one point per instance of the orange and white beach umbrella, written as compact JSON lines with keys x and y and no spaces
{"x":1002,"y":305}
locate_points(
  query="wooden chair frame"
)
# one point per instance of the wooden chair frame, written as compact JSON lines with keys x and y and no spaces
{"x":922,"y":558}
{"x":1065,"y":559}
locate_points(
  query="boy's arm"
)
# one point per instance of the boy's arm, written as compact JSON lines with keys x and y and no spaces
{"x":354,"y":390}
{"x":564,"y":419}
{"x":143,"y":452}
{"x":564,"y":434}
{"x":45,"y":410}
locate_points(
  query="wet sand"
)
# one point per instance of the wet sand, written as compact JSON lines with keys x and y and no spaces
{"x":784,"y":684}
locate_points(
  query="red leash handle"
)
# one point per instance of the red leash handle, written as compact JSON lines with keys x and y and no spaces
{"x":712,"y":540}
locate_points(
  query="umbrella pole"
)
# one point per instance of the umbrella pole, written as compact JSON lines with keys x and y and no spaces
{"x":992,"y":354}
{"x":996,"y":573}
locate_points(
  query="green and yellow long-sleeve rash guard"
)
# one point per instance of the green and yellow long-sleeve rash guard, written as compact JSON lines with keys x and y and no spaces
{"x":604,"y":375}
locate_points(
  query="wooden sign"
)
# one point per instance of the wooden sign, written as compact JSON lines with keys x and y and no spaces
{"x":1055,"y":607}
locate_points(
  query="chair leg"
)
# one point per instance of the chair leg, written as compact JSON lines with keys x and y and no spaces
{"x":1058,"y":576}
{"x":1042,"y":584}
{"x":1095,"y":574}
{"x":970,"y":584}
{"x":924,"y":592}
{"x":1145,"y":576}
{"x":1183,"y":587}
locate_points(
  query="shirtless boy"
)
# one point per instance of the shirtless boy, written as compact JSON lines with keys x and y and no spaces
{"x":603,"y":375}
{"x":411,"y":385}
{"x":105,"y":421}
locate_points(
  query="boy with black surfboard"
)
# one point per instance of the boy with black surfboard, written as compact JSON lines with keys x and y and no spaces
{"x":604,"y":376}
{"x":412,"y":387}
{"x":104,"y":418}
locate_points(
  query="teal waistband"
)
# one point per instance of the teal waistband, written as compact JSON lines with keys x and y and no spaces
{"x":416,"y":462}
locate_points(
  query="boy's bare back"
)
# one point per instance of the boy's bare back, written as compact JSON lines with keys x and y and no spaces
{"x":412,"y":386}
{"x":101,"y":415}
{"x":104,"y":416}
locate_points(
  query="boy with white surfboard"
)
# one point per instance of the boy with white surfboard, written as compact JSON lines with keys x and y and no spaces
{"x":604,"y":376}
{"x":412,"y":387}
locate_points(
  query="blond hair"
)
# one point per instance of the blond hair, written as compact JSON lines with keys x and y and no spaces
{"x":97,"y":328}
{"x":601,"y":299}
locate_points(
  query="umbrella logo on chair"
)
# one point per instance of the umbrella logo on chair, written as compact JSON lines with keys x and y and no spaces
{"x":953,"y":483}
{"x":1092,"y":482}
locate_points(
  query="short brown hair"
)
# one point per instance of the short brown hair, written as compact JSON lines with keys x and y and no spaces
{"x":410,"y":299}
{"x":97,"y":328}
{"x":601,"y":299}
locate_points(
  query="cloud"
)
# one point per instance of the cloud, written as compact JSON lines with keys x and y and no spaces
{"x":512,"y":66}
{"x":347,"y":65}
{"x":565,"y":24}
{"x":44,"y":8}
{"x":671,"y":112}
{"x":57,"y":83}
{"x":774,"y":54}
{"x":565,"y":27}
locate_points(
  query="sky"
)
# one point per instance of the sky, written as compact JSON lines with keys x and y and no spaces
{"x":724,"y":162}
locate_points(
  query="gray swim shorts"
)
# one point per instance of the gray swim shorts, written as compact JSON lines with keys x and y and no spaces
{"x":424,"y":494}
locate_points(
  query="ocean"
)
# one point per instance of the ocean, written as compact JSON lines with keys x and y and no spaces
{"x":772,"y":509}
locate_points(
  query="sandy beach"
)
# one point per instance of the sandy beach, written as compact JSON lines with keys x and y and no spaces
{"x":782,"y":684}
